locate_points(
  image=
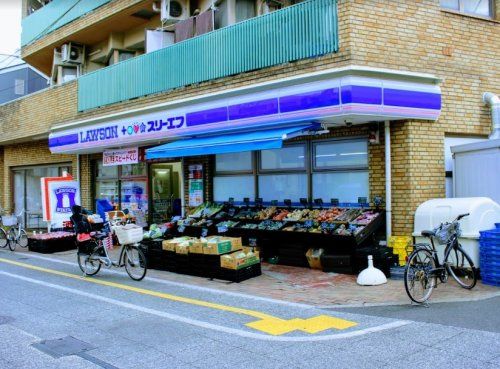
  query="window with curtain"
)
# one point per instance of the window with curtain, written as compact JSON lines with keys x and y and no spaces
{"x":483,"y":8}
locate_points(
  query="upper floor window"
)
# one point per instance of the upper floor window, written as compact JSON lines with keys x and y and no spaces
{"x":483,"y":8}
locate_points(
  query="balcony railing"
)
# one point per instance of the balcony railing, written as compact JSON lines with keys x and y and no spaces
{"x":55,"y":15}
{"x":305,"y":30}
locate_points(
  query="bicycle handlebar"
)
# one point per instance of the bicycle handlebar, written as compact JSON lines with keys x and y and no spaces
{"x":462,"y":216}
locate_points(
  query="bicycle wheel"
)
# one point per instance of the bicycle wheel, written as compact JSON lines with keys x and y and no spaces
{"x":419,"y":276}
{"x":461,"y":268}
{"x":3,"y":239}
{"x":135,"y":263}
{"x":23,"y":239}
{"x":12,"y":239}
{"x":89,"y":263}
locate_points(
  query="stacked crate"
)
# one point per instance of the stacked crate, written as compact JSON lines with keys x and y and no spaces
{"x":401,"y":246}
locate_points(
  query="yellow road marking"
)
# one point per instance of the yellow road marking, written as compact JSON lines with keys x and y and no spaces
{"x":266,"y":323}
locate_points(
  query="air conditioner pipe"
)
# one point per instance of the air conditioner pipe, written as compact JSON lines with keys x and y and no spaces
{"x":388,"y":180}
{"x":494,"y":101}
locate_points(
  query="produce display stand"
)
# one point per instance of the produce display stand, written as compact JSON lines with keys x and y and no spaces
{"x":290,"y":247}
{"x":49,"y":243}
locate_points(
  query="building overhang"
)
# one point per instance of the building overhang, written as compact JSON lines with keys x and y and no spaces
{"x":334,"y":97}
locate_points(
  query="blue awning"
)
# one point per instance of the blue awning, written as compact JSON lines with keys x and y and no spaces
{"x":223,"y":144}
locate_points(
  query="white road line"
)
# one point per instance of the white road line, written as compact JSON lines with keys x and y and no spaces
{"x":187,"y":286}
{"x":202,"y":324}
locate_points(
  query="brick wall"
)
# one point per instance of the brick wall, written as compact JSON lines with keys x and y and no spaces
{"x":32,"y":115}
{"x":36,"y":153}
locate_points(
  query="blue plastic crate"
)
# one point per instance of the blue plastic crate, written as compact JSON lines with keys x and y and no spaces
{"x":489,"y":246}
{"x":491,"y":281}
{"x":497,"y":225}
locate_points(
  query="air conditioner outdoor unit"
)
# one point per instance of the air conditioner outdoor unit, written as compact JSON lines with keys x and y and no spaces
{"x":73,"y":53}
{"x":173,"y":11}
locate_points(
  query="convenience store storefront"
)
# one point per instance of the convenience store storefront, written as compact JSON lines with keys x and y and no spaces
{"x":274,"y":141}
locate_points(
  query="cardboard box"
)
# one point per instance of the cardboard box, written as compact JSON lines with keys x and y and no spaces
{"x":238,"y":260}
{"x":197,"y":246}
{"x":217,"y":247}
{"x":169,"y":245}
{"x":182,"y":247}
{"x":314,"y":258}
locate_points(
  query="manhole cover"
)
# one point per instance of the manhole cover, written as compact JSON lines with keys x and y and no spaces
{"x":63,"y":346}
{"x":6,"y":319}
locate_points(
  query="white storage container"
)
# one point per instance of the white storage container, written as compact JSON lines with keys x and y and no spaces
{"x":484,"y":213}
{"x":9,"y":220}
{"x":129,"y":234}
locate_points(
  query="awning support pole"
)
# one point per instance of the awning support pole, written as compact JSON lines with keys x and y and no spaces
{"x":388,"y":180}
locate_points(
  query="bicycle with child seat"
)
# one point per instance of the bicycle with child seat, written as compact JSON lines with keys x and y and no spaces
{"x":95,"y":255}
{"x":423,"y":269}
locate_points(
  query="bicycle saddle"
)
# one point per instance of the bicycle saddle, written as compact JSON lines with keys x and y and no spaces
{"x":428,"y":233}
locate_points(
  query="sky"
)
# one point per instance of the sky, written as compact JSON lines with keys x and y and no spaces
{"x":10,"y":30}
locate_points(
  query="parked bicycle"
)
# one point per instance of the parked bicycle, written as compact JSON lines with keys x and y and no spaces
{"x":4,"y":241}
{"x":423,"y":269}
{"x":16,"y":234}
{"x":93,"y":253}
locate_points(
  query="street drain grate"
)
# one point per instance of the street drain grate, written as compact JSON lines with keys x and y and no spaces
{"x":63,"y":347}
{"x":67,"y":346}
{"x":6,"y":319}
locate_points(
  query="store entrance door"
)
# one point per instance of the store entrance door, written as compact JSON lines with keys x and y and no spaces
{"x":166,"y":189}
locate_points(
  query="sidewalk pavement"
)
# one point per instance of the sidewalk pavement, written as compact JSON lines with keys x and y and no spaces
{"x":313,"y":287}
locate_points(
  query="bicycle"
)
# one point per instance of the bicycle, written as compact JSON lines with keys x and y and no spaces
{"x":423,"y":268}
{"x":96,"y":254}
{"x":17,"y":234}
{"x":4,"y":241}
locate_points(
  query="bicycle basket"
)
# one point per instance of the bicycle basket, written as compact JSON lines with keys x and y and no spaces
{"x":444,"y":232}
{"x":129,"y":234}
{"x":9,"y":220}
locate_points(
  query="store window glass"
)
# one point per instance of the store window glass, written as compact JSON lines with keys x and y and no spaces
{"x":283,"y":186}
{"x":106,"y":172}
{"x":134,"y":170}
{"x":134,"y":195}
{"x":341,"y":154}
{"x":234,"y":162}
{"x":482,"y":8}
{"x":292,"y":157}
{"x":237,"y":187}
{"x":107,"y":190}
{"x":345,"y":186}
{"x":28,"y":192}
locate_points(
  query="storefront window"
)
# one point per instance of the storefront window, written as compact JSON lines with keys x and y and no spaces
{"x":134,"y":170}
{"x":233,"y":162}
{"x":237,"y":187}
{"x":28,"y":191}
{"x":341,"y":154}
{"x":123,"y":187}
{"x":345,"y":186}
{"x":283,"y":186}
{"x":292,"y":157}
{"x":338,"y":169}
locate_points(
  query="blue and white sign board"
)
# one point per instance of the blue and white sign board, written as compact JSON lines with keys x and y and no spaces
{"x":332,"y":100}
{"x":59,"y":197}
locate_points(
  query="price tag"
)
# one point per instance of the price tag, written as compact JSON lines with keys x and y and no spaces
{"x":204,"y":232}
{"x":252,"y":242}
{"x":181,"y":229}
{"x":222,"y":229}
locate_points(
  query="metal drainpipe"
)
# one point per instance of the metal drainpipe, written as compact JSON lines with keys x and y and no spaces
{"x":494,"y":101}
{"x":388,"y":180}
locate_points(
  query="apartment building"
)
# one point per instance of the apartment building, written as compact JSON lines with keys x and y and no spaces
{"x":344,"y":101}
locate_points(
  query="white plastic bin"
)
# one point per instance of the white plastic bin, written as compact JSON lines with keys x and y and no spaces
{"x":129,"y":234}
{"x":484,"y":213}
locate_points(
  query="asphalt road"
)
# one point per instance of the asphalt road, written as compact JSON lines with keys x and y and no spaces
{"x":52,"y":317}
